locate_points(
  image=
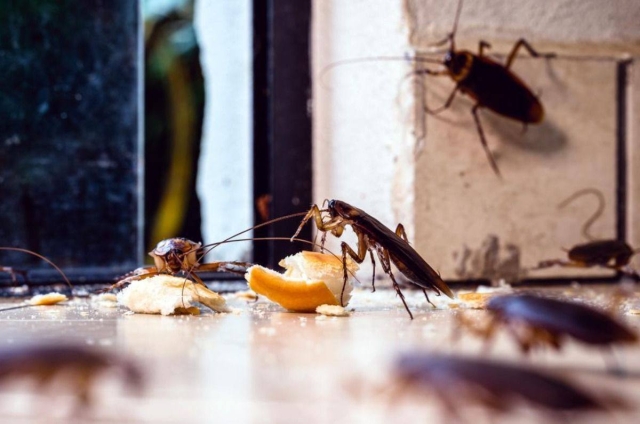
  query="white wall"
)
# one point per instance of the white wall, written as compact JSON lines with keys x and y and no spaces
{"x":364,"y":128}
{"x":361,"y":117}
{"x":224,"y":29}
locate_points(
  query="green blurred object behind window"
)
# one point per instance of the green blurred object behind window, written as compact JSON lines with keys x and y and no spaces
{"x":174,"y":110}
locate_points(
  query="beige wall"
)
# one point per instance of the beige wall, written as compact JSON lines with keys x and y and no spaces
{"x":366,"y":116}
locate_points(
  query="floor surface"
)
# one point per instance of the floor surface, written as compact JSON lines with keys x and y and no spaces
{"x":261,"y":364}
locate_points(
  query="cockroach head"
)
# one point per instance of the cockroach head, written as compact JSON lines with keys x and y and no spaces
{"x":331,"y":207}
{"x":339,"y":208}
{"x":175,"y":254}
{"x":455,"y":62}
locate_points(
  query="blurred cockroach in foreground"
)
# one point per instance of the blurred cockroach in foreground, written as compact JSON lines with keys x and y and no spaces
{"x":490,"y":84}
{"x":374,"y":236}
{"x":608,"y":253}
{"x":80,"y":365}
{"x":12,"y":272}
{"x":539,"y":321}
{"x":457,"y":381}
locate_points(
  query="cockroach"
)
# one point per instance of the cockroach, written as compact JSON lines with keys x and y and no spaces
{"x":608,"y":253}
{"x":176,"y":255}
{"x":181,"y":255}
{"x":612,"y":254}
{"x":391,"y":247}
{"x":540,"y":321}
{"x":42,"y":363}
{"x":497,"y":386}
{"x":490,"y":84}
{"x":12,"y":272}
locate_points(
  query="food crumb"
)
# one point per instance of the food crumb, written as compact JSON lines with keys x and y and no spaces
{"x":47,"y":299}
{"x":474,"y":300}
{"x":105,"y":300}
{"x":247,"y":295}
{"x":332,"y":311}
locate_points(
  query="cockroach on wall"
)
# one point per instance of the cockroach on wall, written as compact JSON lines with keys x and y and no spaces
{"x":607,"y":253}
{"x":390,"y":247}
{"x":490,"y":84}
{"x":536,"y":321}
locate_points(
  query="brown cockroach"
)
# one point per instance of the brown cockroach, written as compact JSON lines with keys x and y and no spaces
{"x":490,"y":84}
{"x":612,"y":254}
{"x":540,"y":321}
{"x":391,"y":247}
{"x":180,"y":255}
{"x":608,"y":253}
{"x":12,"y":272}
{"x":176,"y":255}
{"x":497,"y":386}
{"x":42,"y":363}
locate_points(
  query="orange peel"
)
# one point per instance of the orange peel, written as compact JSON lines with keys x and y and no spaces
{"x":305,"y":285}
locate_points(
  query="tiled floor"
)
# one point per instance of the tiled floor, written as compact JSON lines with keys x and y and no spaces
{"x":261,"y":364}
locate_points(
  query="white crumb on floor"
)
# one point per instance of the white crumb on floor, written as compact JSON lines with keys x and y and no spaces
{"x":105,"y":300}
{"x":332,"y":311}
{"x":47,"y":299}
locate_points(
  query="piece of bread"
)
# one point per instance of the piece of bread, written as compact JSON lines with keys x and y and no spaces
{"x":47,"y":299}
{"x":166,"y":295}
{"x":311,"y":279}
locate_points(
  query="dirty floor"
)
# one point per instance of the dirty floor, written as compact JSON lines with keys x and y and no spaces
{"x":261,"y":364}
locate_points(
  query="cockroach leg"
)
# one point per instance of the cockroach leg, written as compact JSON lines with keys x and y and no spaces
{"x":323,"y":240}
{"x":445,"y":106}
{"x":483,"y":140}
{"x":483,"y":45}
{"x":373,"y":266}
{"x":427,"y":296}
{"x":14,"y":272}
{"x":575,"y":264}
{"x":363,"y":248}
{"x":385,"y":262}
{"x":314,"y":213}
{"x":230,"y":266}
{"x":427,"y":71}
{"x":553,"y":262}
{"x":524,"y":43}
